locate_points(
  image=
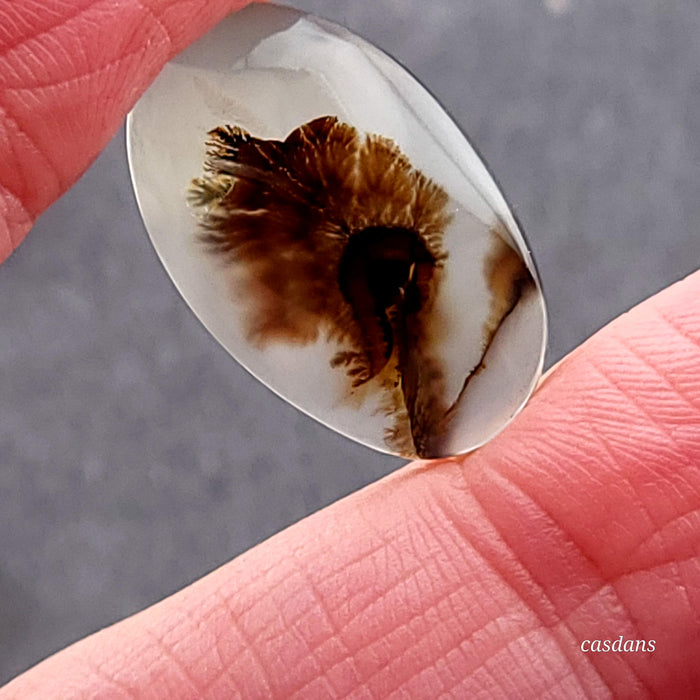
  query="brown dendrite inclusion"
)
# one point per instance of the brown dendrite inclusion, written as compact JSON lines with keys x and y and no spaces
{"x":334,"y":232}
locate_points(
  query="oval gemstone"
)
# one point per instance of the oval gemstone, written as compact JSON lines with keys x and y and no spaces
{"x":335,"y":231}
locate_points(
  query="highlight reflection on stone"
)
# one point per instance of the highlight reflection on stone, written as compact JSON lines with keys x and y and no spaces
{"x":349,"y":247}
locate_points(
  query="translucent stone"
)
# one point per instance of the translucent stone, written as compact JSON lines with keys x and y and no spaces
{"x":335,"y":231}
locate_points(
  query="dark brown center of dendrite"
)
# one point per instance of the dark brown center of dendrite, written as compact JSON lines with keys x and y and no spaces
{"x":384,"y":274}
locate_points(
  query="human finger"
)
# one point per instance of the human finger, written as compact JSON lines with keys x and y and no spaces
{"x":485,"y":574}
{"x":69,"y":72}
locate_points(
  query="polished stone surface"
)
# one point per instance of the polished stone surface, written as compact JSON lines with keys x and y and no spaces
{"x":435,"y":380}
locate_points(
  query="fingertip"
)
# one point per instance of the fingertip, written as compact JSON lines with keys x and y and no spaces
{"x":59,"y":112}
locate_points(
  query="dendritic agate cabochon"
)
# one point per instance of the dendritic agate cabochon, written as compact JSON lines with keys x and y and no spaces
{"x":336,"y":232}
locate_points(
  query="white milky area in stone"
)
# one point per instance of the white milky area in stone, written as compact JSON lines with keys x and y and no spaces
{"x":268,"y":70}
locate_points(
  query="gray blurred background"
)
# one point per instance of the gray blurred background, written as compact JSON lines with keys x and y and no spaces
{"x":137,"y":456}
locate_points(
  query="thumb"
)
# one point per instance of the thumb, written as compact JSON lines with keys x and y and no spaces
{"x":69,"y":72}
{"x":479,"y":576}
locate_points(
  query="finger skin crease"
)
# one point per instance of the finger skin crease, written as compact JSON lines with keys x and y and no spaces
{"x":561,"y":623}
{"x":13,"y":218}
{"x":222,"y":681}
{"x":335,"y":633}
{"x":167,"y":38}
{"x":109,"y":685}
{"x":679,"y":457}
{"x":452,"y":530}
{"x":674,"y":392}
{"x":398,"y":653}
{"x":263,"y":671}
{"x":178,"y":675}
{"x":674,"y":538}
{"x":509,"y":569}
{"x":84,"y":78}
{"x":18,"y":149}
{"x":420,"y":601}
{"x":37,"y":18}
{"x":212,"y":672}
{"x":623,"y":619}
{"x":70,"y":93}
{"x":683,"y":321}
{"x":377,"y":611}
